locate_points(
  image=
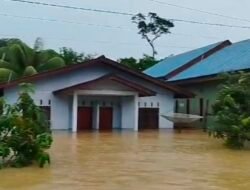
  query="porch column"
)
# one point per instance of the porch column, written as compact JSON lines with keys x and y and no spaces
{"x":74,"y":114}
{"x":136,"y":110}
{"x":96,"y":116}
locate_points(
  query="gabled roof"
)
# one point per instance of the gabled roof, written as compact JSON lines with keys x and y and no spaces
{"x":102,"y":60}
{"x":170,"y":66}
{"x":143,"y":91}
{"x":232,"y":58}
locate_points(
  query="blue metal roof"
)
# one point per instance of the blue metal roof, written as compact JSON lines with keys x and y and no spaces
{"x":232,"y":58}
{"x":170,"y":64}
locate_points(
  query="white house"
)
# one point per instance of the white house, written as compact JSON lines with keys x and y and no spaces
{"x":100,"y":94}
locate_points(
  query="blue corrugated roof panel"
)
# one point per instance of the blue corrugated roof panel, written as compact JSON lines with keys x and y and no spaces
{"x":232,"y":58}
{"x":170,"y":64}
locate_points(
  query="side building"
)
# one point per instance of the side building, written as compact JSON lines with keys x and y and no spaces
{"x":199,"y":71}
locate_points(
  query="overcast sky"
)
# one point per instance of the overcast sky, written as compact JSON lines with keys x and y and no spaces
{"x":87,"y":33}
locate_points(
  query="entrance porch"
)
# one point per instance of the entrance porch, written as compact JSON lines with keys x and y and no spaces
{"x":105,"y":103}
{"x":104,"y":110}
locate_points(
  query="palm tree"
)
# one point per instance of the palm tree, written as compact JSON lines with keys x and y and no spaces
{"x":17,"y":59}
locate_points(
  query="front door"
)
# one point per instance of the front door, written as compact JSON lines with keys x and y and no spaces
{"x":84,"y":118}
{"x":106,"y":118}
{"x":148,"y":118}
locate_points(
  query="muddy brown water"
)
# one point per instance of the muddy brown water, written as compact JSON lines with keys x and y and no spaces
{"x":150,"y":160}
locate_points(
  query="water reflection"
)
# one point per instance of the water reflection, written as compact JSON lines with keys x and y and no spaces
{"x":128,"y":160}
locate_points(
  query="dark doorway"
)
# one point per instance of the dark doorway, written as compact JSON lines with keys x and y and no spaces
{"x":47,"y":111}
{"x":201,"y":108}
{"x":149,"y":118}
{"x":106,"y":118}
{"x":84,"y":118}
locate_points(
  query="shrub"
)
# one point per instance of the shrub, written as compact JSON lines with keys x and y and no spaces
{"x":232,"y":111}
{"x":25,"y":134}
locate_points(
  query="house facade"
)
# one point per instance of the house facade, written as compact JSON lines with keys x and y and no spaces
{"x":100,"y":94}
{"x":199,"y":71}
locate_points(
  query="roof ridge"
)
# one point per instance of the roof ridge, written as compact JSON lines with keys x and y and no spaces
{"x":170,"y":64}
{"x":198,"y":59}
{"x":231,"y":58}
{"x":196,"y":49}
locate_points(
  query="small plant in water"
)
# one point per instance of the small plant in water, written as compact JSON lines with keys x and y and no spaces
{"x":232,"y":111}
{"x":25,"y":133}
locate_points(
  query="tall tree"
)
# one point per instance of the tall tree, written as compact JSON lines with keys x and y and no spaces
{"x":152,"y":27}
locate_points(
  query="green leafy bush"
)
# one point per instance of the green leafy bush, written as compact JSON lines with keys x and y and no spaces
{"x":25,"y":134}
{"x":54,"y":63}
{"x":232,"y":111}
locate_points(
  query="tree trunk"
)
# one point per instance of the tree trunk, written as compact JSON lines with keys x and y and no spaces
{"x":153,"y":50}
{"x":151,"y":43}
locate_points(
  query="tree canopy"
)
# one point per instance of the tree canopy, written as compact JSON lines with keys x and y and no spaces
{"x":152,"y":27}
{"x":17,"y":59}
{"x":140,"y":64}
{"x":72,"y":57}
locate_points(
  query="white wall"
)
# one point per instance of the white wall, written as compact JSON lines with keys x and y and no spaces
{"x":127,"y":112}
{"x":60,"y":111}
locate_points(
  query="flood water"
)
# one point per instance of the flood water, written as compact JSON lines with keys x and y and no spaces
{"x":150,"y":160}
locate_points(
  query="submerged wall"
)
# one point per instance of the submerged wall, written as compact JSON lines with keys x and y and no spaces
{"x":205,"y":93}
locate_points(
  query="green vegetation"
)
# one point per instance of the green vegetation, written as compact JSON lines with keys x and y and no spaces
{"x":24,"y":132}
{"x":17,"y":59}
{"x":232,"y":111}
{"x":139,"y":65}
{"x":71,"y":57}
